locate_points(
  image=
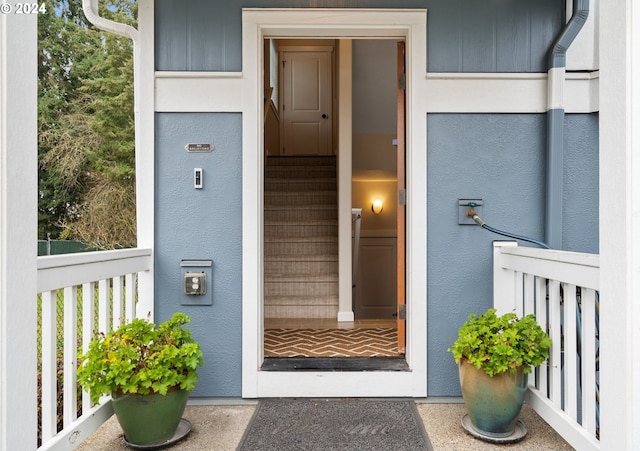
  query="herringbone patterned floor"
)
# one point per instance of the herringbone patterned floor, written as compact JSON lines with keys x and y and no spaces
{"x":376,"y":342}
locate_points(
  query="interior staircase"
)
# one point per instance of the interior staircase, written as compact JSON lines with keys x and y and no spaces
{"x":300,"y":237}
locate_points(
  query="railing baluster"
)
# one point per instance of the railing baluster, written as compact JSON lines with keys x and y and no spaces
{"x":118,"y":292}
{"x":519,"y":294}
{"x":49,"y":365}
{"x":542,"y":317}
{"x":555,"y":357}
{"x":103,"y":306}
{"x":88,"y":317}
{"x":70,"y":392}
{"x":570,"y":351}
{"x":588,"y":360}
{"x":130,"y":297}
{"x":529,"y":295}
{"x":529,"y":298}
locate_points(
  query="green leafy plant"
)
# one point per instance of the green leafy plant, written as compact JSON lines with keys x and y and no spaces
{"x":497,"y":344}
{"x":141,"y":358}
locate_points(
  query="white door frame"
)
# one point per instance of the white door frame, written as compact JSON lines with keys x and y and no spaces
{"x":407,"y":24}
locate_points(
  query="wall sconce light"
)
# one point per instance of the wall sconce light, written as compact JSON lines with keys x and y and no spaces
{"x":376,"y":206}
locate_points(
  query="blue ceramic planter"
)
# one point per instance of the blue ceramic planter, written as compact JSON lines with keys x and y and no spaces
{"x":493,"y":403}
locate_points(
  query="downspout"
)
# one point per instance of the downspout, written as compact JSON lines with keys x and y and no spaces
{"x":555,"y":123}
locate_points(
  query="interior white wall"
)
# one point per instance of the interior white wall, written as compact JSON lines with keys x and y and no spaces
{"x":374,"y":86}
{"x":273,"y":71}
{"x":374,"y":131}
{"x":364,"y":191}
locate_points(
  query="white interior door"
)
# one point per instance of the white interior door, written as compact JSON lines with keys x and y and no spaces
{"x":306,"y":102}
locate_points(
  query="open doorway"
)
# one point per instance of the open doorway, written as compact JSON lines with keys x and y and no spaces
{"x":361,"y":23}
{"x":301,"y":190}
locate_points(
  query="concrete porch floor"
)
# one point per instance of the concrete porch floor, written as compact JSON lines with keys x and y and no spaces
{"x":220,"y":428}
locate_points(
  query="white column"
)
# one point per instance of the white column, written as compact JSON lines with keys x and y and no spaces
{"x":144,"y":85}
{"x":252,"y":208}
{"x":633,"y":151}
{"x":18,"y":229}
{"x":619,"y":224}
{"x":345,"y":283}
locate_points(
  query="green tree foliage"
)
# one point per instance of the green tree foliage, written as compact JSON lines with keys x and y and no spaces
{"x":86,"y":126}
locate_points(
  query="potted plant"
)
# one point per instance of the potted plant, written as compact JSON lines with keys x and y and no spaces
{"x":494,"y":355}
{"x":148,"y":371}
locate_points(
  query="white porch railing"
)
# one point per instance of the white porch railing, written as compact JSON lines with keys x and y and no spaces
{"x":561,"y":288}
{"x":112,"y":275}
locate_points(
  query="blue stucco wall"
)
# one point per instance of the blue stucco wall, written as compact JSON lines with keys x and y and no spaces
{"x":462,"y":35}
{"x":499,"y":158}
{"x":581,"y":176}
{"x":496,"y":157}
{"x":202,"y":224}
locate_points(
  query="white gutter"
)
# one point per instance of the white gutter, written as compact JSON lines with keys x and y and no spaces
{"x":90,"y":8}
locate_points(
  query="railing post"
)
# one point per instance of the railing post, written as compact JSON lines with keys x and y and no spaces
{"x":504,"y":280}
{"x":145,"y":305}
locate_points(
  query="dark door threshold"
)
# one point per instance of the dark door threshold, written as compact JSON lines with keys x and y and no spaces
{"x":335,"y":364}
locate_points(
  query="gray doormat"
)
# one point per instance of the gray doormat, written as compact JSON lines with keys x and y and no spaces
{"x":335,"y":424}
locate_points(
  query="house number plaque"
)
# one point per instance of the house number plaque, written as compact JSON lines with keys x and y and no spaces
{"x":199,"y":147}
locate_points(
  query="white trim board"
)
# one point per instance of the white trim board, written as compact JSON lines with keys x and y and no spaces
{"x":448,"y":92}
{"x":409,"y":25}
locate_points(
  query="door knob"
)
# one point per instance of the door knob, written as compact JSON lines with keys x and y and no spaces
{"x":324,"y":116}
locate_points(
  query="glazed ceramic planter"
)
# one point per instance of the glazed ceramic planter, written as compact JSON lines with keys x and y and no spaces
{"x":493,"y":403}
{"x":149,"y":419}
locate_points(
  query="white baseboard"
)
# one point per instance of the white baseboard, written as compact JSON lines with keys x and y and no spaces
{"x":345,"y":316}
